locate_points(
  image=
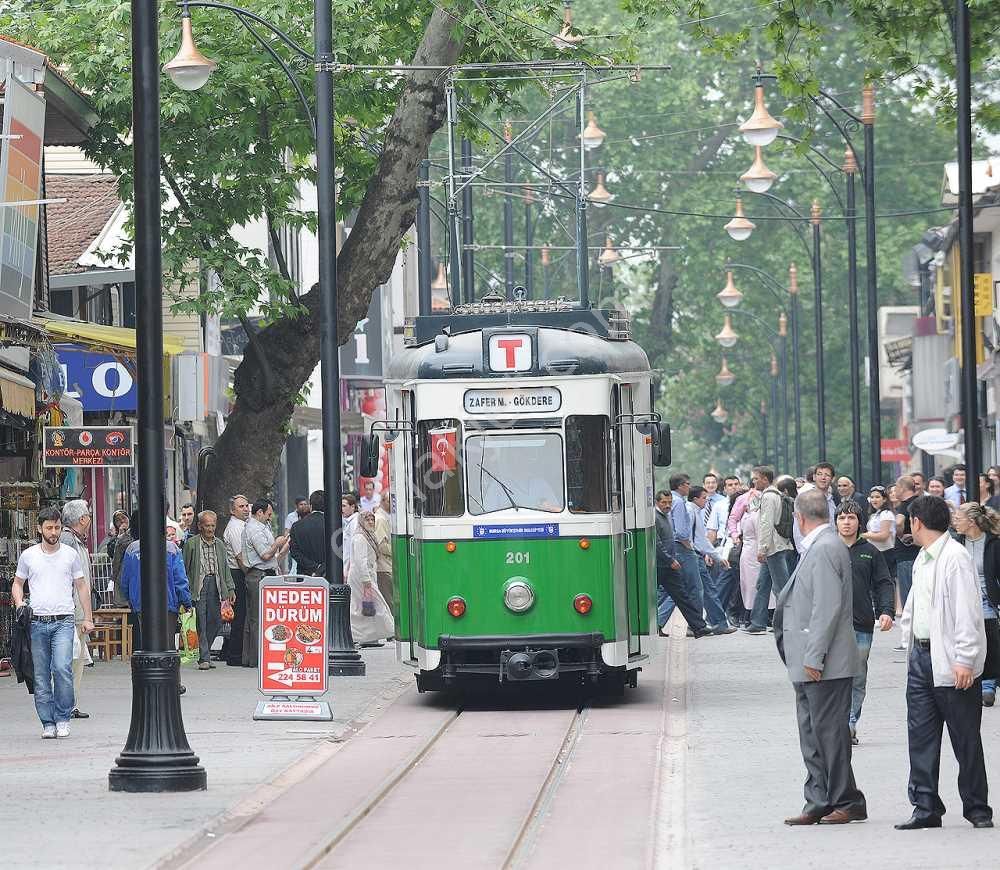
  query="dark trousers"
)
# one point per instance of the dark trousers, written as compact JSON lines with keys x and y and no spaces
{"x":209,"y":610}
{"x":672,"y":582}
{"x":822,"y":710}
{"x":928,"y":708}
{"x":774,"y":574}
{"x":232,"y":647}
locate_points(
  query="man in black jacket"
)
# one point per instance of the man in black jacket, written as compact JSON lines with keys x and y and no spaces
{"x":874,"y":598}
{"x":308,"y":547}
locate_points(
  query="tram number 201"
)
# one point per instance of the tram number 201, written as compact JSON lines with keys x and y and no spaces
{"x":518,"y":558}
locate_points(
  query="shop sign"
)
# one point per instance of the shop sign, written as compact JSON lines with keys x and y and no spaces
{"x":292,"y":647}
{"x":528,"y":400}
{"x":99,"y":381}
{"x":895,"y":450}
{"x":88,"y":446}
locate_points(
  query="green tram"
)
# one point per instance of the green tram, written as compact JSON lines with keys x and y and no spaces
{"x":521,"y":442}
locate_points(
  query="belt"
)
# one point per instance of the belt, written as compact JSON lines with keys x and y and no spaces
{"x":56,"y":618}
{"x":921,"y":643}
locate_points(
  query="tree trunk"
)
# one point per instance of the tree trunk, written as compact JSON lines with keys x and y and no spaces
{"x":248,"y":450}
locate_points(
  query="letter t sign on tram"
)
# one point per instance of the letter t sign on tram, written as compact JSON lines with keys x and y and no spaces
{"x":510,"y":353}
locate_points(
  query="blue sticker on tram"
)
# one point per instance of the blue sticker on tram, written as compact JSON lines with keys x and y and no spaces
{"x":538,"y":530}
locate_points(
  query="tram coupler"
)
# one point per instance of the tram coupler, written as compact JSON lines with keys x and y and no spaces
{"x":529,"y":665}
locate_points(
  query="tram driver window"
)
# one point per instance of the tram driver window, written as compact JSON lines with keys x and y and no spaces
{"x":437,"y":487}
{"x":514,"y":472}
{"x":586,"y":457}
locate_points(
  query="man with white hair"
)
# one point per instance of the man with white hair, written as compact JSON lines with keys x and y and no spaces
{"x":76,"y":520}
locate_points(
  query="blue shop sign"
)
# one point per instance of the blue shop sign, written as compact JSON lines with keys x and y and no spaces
{"x":99,"y":381}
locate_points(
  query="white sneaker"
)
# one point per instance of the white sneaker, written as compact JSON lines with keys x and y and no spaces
{"x":49,"y":732}
{"x":62,"y":729}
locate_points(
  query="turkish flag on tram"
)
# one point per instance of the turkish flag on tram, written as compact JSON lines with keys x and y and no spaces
{"x":442,"y":447}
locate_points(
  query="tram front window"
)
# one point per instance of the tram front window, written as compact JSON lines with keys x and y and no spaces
{"x":513,"y":472}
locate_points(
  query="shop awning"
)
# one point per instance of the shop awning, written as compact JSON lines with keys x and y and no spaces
{"x":17,"y":394}
{"x":107,"y":338}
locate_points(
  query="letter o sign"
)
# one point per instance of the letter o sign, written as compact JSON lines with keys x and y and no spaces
{"x":102,"y":380}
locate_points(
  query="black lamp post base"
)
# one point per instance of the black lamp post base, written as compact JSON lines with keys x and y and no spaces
{"x":156,"y":757}
{"x":343,"y":660}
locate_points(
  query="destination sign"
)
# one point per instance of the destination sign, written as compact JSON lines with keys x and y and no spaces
{"x":526,"y":400}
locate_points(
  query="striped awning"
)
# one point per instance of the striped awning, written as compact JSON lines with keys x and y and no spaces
{"x":17,"y":394}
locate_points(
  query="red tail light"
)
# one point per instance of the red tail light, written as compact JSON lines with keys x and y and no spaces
{"x":582,"y":603}
{"x":456,"y":606}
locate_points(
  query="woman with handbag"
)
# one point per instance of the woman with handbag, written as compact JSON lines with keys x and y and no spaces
{"x":371,"y":618}
{"x":978,"y":528}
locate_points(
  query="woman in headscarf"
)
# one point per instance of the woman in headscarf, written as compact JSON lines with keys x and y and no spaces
{"x":371,"y":618}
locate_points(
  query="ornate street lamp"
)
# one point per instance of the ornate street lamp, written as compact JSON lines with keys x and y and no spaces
{"x":600,"y":196}
{"x":758,"y":177}
{"x":592,"y":136}
{"x":760,"y":129}
{"x":728,"y":336}
{"x":725,"y":377}
{"x":189,"y":69}
{"x":739,"y":228}
{"x":719,"y":413}
{"x":729,"y":296}
{"x":566,"y":39}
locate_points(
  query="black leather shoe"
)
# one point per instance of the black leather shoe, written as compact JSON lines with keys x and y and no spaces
{"x":916,"y":823}
{"x":981,"y":823}
{"x":702,"y":632}
{"x":79,"y":714}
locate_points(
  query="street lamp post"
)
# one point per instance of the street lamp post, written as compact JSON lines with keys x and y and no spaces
{"x":817,"y":221}
{"x":156,"y":756}
{"x":850,"y":170}
{"x":343,"y":658}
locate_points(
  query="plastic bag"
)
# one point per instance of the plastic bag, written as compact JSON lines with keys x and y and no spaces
{"x":227,"y":613}
{"x":189,"y":636}
{"x":367,"y":600}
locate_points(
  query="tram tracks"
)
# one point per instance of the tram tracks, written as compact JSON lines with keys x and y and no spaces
{"x":494,"y":773}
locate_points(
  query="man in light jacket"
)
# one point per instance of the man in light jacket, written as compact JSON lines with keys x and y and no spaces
{"x":943,"y":632}
{"x":814,"y":632}
{"x":774,"y":552}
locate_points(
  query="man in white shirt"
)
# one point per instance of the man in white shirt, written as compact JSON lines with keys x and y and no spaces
{"x":232,"y":537}
{"x":52,"y":571}
{"x":369,"y":501}
{"x":301,"y":509}
{"x":956,"y":493}
{"x":942,"y":627}
{"x":261,"y":552}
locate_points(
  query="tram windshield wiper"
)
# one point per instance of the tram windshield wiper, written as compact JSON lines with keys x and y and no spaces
{"x":507,"y":491}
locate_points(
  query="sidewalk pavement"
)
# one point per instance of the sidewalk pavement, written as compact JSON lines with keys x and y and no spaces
{"x":744,"y":771}
{"x":56,"y":810}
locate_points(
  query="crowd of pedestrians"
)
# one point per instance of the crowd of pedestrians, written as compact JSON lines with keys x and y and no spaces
{"x":216,"y":576}
{"x":825,"y":568}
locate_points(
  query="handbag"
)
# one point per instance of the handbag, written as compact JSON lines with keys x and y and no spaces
{"x":226,"y":612}
{"x":367,"y":600}
{"x":991,"y":668}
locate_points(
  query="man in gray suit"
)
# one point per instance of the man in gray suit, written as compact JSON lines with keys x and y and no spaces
{"x":814,"y":631}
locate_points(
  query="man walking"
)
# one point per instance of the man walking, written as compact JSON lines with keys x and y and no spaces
{"x":943,"y":631}
{"x":774,"y":548}
{"x":874,"y":599}
{"x":813,"y":629}
{"x":261,"y":551}
{"x":714,"y":611}
{"x":76,"y":522}
{"x":53,"y":572}
{"x":232,"y":536}
{"x":684,"y":552}
{"x":670,"y":588}
{"x":210,"y":583}
{"x":822,"y":479}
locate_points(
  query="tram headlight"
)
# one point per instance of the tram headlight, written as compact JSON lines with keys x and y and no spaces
{"x":518,"y":596}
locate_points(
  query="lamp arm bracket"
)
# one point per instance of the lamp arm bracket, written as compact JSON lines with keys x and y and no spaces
{"x":237,"y":10}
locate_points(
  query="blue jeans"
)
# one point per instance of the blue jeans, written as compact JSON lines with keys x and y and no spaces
{"x":715,"y":613}
{"x":773,"y":573}
{"x":52,"y":653}
{"x":904,"y":579}
{"x":691,"y":577}
{"x":860,"y":684}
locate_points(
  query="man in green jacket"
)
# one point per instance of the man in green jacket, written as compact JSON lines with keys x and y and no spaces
{"x":210,"y":581}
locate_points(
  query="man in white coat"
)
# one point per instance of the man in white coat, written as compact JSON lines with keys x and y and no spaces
{"x":943,"y":632}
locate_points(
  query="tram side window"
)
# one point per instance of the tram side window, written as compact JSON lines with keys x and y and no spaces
{"x":438,"y":490}
{"x":586,"y":458}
